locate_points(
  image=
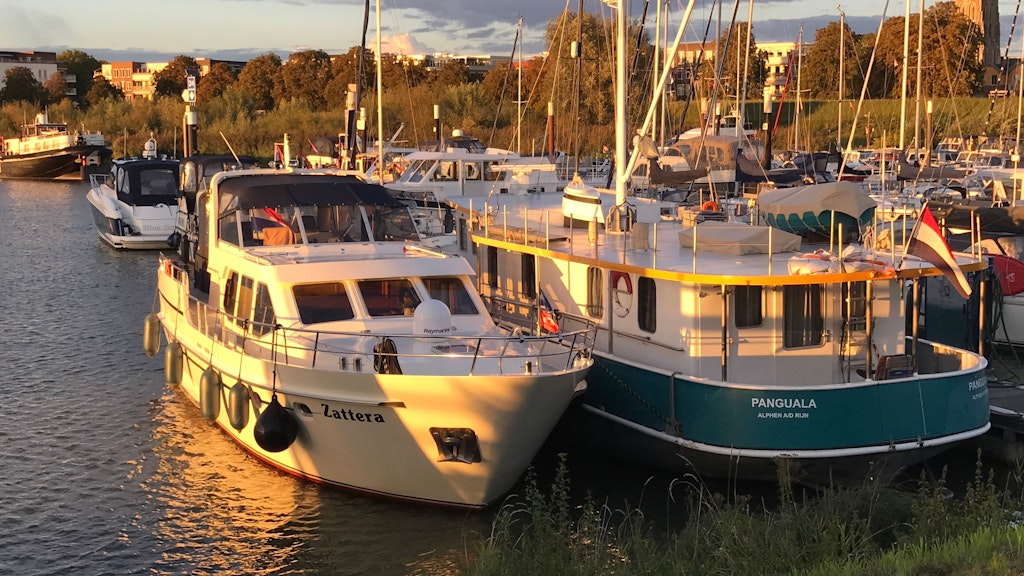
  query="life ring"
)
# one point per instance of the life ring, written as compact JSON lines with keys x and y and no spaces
{"x":622,"y":293}
{"x":710,"y":206}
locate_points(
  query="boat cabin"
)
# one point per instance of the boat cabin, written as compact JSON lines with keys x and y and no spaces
{"x":145,"y":182}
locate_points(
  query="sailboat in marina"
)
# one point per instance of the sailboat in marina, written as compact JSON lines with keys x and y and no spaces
{"x":728,"y":349}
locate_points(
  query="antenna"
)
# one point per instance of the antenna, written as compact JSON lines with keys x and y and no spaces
{"x":239,"y":162}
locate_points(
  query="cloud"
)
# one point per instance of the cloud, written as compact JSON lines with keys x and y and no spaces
{"x":403,"y":44}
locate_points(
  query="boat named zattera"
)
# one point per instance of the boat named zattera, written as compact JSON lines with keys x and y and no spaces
{"x":47,"y":150}
{"x":316,"y":330}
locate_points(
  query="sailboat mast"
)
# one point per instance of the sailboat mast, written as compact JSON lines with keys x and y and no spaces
{"x":903,"y":89}
{"x":842,"y":58}
{"x":800,"y":101}
{"x":621,"y":174}
{"x":917,"y":97}
{"x":657,"y":55}
{"x":380,"y":103}
{"x":519,"y":100}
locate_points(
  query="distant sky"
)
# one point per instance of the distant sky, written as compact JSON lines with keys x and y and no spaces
{"x":241,"y":29}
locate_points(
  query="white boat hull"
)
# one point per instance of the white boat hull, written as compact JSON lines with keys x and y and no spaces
{"x":379,"y":433}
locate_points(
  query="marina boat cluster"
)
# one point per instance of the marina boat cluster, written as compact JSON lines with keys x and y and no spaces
{"x":692,"y":307}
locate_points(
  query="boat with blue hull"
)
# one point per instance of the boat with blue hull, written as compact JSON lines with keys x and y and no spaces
{"x":731,"y":349}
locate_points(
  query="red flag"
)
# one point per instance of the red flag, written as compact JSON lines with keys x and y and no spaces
{"x":927,"y":243}
{"x":547,"y":315}
{"x":275,"y":216}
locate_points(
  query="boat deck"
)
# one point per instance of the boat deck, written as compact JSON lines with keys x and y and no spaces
{"x":655,"y":245}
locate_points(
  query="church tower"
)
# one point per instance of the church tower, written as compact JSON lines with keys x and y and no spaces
{"x":984,"y":13}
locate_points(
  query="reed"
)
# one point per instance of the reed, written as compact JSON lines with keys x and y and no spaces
{"x":877,"y":527}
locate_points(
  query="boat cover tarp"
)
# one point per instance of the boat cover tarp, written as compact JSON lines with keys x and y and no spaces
{"x":660,"y":176}
{"x":735,"y":238}
{"x":994,"y":220}
{"x":806,"y":209}
{"x":910,"y":172}
{"x":261,"y":191}
{"x":749,"y":170}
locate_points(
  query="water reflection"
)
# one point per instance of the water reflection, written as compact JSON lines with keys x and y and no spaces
{"x":214,"y":508}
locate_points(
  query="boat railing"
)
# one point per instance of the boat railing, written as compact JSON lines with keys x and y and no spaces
{"x":511,"y":352}
{"x":97,"y":180}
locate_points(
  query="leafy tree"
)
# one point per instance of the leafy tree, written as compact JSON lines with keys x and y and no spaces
{"x":344,"y":71}
{"x":20,"y":84}
{"x":102,"y":90}
{"x":215,"y":83}
{"x":397,"y":73}
{"x":950,"y":42}
{"x":260,"y":78}
{"x":82,"y":66}
{"x":171,"y":81}
{"x":449,"y":73}
{"x":820,"y":71}
{"x":55,"y":88}
{"x":304,"y":77}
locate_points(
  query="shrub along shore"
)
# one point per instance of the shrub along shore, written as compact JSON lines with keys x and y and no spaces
{"x":128,"y":125}
{"x":872,"y":529}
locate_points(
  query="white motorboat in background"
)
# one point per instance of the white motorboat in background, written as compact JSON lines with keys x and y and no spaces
{"x":135,"y":206}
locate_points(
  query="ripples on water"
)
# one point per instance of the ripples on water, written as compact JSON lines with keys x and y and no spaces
{"x":106,"y":470}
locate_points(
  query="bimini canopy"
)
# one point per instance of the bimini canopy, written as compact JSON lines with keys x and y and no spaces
{"x":263,"y":190}
{"x":146,"y":182}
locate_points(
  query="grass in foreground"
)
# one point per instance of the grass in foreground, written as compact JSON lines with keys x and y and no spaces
{"x":872,"y":529}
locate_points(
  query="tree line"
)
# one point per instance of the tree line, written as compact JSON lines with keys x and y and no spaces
{"x":309,"y":90}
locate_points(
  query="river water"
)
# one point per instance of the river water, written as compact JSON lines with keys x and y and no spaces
{"x":107,"y":470}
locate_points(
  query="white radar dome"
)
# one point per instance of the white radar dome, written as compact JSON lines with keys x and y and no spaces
{"x":432,"y":318}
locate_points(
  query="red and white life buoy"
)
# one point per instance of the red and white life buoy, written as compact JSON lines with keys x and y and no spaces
{"x":622,"y":293}
{"x":709,"y":206}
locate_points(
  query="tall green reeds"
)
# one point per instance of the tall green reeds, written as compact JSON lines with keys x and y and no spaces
{"x":878,"y":527}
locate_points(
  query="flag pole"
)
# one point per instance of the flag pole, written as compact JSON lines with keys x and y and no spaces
{"x":916,"y":311}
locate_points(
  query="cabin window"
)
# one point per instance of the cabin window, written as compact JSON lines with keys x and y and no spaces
{"x":529,"y":276}
{"x":417,"y":171}
{"x":748,"y":306}
{"x":595,"y":292}
{"x":472,"y":171}
{"x":229,"y":293}
{"x":158,"y":182}
{"x":453,"y":293}
{"x":236,"y":228}
{"x":390,"y":297}
{"x":122,"y":184}
{"x":263,"y":316}
{"x":446,"y":171}
{"x":326,"y":302}
{"x":647,"y":304}
{"x":492,"y":266}
{"x":803,"y":316}
{"x":855,"y":305}
{"x":243,"y":308}
{"x":388,"y":223}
